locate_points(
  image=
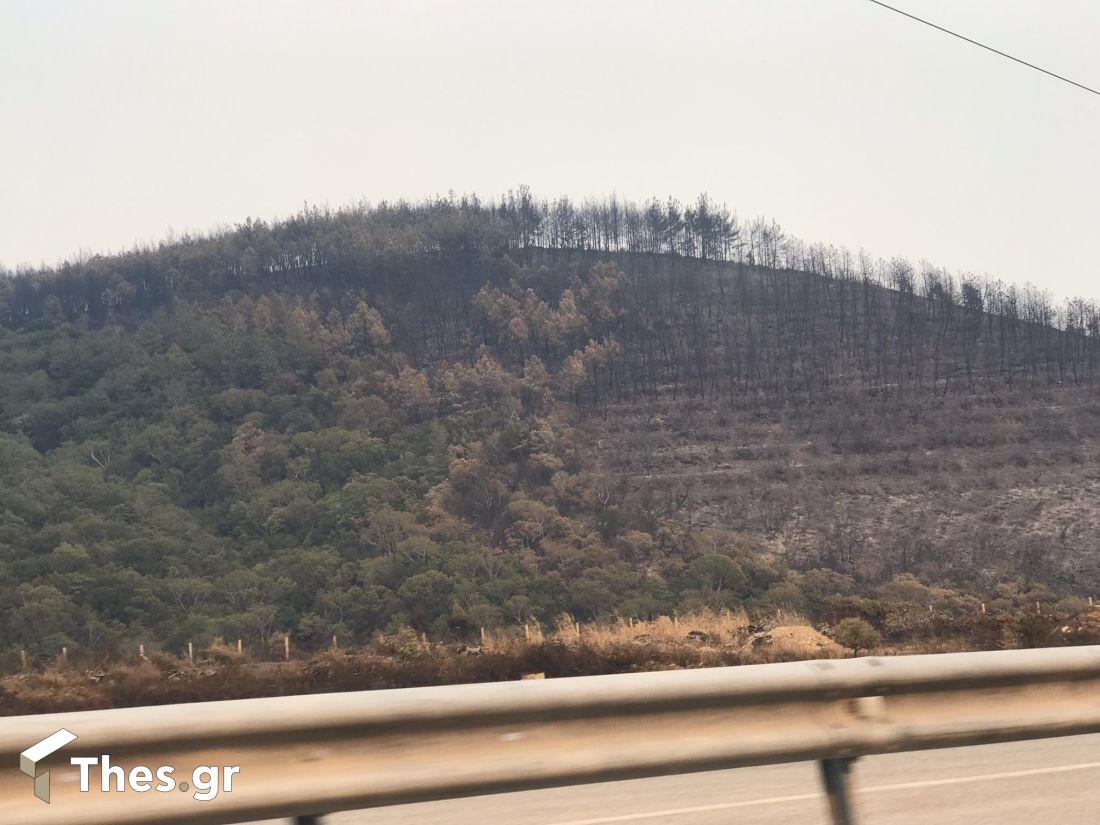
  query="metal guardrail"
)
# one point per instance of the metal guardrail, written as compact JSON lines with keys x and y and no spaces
{"x":304,"y":756}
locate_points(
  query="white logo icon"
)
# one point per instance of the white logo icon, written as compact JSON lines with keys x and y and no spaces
{"x":29,"y":759}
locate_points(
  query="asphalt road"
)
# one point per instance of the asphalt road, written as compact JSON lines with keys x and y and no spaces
{"x":1045,"y":782}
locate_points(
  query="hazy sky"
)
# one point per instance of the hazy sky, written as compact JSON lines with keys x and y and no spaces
{"x":844,"y":122}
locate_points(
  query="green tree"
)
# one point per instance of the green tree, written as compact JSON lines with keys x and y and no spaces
{"x":856,"y":634}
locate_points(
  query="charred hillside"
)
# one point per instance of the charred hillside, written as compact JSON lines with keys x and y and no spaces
{"x":700,"y":304}
{"x":453,"y":414}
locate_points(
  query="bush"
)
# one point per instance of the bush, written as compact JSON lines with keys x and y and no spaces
{"x":856,"y":634}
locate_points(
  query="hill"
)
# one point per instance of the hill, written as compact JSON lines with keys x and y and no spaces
{"x":454,"y":415}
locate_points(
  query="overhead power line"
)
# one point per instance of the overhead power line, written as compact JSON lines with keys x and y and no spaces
{"x":984,"y":46}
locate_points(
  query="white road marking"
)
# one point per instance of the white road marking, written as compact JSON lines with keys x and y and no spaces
{"x":776,"y":800}
{"x":985,"y":777}
{"x":720,"y":806}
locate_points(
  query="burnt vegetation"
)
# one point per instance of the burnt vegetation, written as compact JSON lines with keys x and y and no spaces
{"x":454,"y":415}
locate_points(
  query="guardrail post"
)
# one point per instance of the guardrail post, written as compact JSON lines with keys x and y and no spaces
{"x":834,"y":773}
{"x":307,"y":820}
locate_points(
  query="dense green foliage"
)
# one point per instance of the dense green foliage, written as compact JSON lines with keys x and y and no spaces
{"x":353,"y":421}
{"x":257,"y":466}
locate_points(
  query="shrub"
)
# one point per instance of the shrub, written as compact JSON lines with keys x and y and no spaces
{"x":856,"y":634}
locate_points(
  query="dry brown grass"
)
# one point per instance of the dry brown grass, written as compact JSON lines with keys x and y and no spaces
{"x":719,"y":628}
{"x":404,"y":659}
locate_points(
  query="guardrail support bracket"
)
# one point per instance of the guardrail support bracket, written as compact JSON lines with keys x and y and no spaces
{"x":307,"y":820}
{"x":834,"y":773}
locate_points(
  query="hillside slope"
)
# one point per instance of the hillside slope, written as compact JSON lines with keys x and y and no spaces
{"x":454,"y":415}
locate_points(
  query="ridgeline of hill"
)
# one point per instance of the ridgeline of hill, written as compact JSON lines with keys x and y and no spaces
{"x":454,"y":415}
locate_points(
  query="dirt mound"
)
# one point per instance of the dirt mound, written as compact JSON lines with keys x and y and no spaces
{"x":800,"y":640}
